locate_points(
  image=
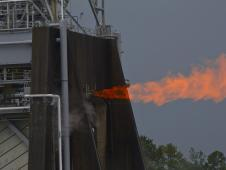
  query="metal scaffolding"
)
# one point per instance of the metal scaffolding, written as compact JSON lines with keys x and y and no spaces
{"x":20,"y":15}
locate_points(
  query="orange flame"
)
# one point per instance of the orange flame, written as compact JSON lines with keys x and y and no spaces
{"x":203,"y":83}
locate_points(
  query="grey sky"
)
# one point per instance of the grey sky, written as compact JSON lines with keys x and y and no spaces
{"x":162,"y":36}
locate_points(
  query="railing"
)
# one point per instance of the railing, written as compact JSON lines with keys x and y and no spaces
{"x":13,"y":95}
{"x":20,"y":15}
{"x":26,"y":75}
{"x":16,"y":15}
{"x":14,"y":100}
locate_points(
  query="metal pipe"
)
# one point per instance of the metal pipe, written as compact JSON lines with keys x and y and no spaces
{"x":54,"y":24}
{"x":103,"y":12}
{"x":16,"y":42}
{"x":14,"y":108}
{"x":8,"y":16}
{"x":27,"y":14}
{"x":65,"y":96}
{"x":62,"y":9}
{"x":59,"y":121}
{"x":6,"y":1}
{"x":49,"y":10}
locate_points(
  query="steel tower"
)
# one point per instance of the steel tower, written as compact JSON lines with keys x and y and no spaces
{"x":17,"y":18}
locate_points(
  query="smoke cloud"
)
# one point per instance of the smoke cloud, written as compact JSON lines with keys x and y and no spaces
{"x":80,"y":115}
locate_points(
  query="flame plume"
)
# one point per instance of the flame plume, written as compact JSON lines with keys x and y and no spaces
{"x":203,"y":83}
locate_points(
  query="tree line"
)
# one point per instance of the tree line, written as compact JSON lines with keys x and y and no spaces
{"x":168,"y":157}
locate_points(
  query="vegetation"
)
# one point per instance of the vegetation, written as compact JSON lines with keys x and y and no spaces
{"x":168,"y":157}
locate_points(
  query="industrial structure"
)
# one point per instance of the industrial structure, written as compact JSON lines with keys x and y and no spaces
{"x":45,"y":54}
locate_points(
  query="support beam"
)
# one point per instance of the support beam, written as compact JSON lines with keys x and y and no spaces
{"x":76,"y":22}
{"x":40,"y":12}
{"x":49,"y":10}
{"x":11,"y":109}
{"x":94,"y":13}
{"x":65,"y":95}
{"x":18,"y":133}
{"x":16,"y":42}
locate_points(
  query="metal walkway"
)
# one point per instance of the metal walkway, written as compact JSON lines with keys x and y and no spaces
{"x":13,"y":146}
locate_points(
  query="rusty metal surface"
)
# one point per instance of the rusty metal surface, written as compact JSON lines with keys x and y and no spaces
{"x":94,"y":63}
{"x":45,"y":59}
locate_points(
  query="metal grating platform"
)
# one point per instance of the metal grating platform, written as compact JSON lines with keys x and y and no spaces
{"x":13,"y":150}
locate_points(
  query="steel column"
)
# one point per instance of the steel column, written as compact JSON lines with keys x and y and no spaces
{"x":65,"y":96}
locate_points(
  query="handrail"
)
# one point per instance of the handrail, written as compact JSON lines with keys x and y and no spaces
{"x":14,"y":108}
{"x":23,"y":75}
{"x":24,"y":17}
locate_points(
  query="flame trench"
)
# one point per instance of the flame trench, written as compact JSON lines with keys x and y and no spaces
{"x":204,"y":83}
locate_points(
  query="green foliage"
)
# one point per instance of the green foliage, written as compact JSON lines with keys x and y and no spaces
{"x":198,"y":159}
{"x":216,"y":161}
{"x":168,"y":157}
{"x":149,"y":152}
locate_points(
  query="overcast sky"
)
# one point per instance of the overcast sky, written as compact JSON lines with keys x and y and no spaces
{"x":162,"y":36}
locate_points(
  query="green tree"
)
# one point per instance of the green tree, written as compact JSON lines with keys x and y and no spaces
{"x":164,"y":157}
{"x":198,"y":159}
{"x":170,"y":158}
{"x":216,"y":161}
{"x":149,"y":152}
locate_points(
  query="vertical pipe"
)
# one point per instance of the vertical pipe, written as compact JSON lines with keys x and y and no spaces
{"x":103,"y":13}
{"x":4,"y":73}
{"x":65,"y":99}
{"x":27,"y":14}
{"x":8,"y":15}
{"x":32,"y":15}
{"x":58,"y":117}
{"x":60,"y":132}
{"x":13,"y":15}
{"x":62,"y":9}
